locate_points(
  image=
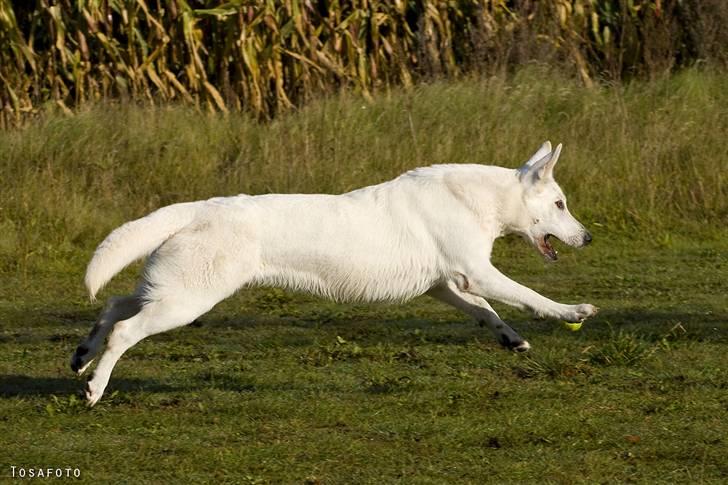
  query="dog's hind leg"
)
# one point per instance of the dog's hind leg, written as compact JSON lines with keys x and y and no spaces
{"x":183,"y":279}
{"x":153,"y":317}
{"x":479,"y":309}
{"x":116,"y":309}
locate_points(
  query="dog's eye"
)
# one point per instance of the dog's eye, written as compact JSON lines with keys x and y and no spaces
{"x":560,"y":204}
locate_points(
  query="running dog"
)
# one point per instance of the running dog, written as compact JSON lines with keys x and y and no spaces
{"x":428,"y":231}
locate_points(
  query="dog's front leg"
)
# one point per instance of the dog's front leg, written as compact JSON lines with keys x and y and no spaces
{"x":482,"y":312}
{"x":488,"y":282}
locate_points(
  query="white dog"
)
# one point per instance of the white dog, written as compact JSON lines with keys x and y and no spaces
{"x":430,"y":230}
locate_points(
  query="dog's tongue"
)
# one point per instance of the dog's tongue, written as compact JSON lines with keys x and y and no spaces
{"x":547,"y":249}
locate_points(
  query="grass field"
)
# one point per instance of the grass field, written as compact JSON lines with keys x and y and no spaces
{"x":273,"y":387}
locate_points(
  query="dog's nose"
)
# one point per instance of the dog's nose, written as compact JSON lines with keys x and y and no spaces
{"x":587,"y":238}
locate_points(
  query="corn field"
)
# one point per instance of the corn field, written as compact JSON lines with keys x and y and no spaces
{"x":265,"y":57}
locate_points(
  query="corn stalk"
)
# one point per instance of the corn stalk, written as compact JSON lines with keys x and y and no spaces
{"x":268,"y":56}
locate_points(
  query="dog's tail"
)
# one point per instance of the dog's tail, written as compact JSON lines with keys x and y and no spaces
{"x":135,"y":240}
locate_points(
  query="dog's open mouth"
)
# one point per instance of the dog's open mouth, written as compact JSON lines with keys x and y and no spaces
{"x":546,"y":249}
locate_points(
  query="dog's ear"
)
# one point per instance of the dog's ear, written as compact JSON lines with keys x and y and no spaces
{"x":547,"y":171}
{"x":540,"y":168}
{"x":540,"y":153}
{"x":530,"y":172}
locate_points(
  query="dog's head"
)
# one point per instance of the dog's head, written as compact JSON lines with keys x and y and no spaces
{"x":546,"y":207}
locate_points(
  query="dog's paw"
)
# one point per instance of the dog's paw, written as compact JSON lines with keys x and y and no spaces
{"x":515,"y":344}
{"x":579,"y":313}
{"x":81,"y":360}
{"x":93,"y":391}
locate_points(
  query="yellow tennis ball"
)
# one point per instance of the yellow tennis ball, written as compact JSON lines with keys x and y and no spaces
{"x":574,"y":327}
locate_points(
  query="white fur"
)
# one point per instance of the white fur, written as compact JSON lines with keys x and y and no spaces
{"x":430,"y":230}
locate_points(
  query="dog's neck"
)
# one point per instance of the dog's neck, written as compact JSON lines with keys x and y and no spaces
{"x":512,"y":217}
{"x":499,"y":206}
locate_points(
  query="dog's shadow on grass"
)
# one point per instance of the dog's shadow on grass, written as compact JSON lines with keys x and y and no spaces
{"x":25,"y":386}
{"x":648,"y":323}
{"x":651,"y":324}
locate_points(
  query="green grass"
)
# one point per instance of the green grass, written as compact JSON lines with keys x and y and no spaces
{"x":275,"y":387}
